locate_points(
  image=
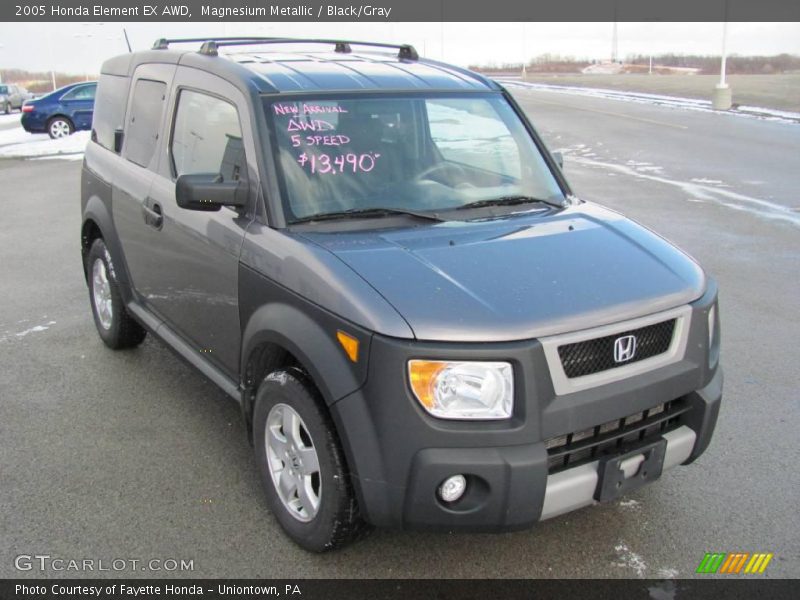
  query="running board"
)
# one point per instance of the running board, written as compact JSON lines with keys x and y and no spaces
{"x":176,"y":343}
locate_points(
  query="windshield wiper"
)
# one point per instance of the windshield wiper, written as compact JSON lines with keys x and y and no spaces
{"x":509,"y":201}
{"x":378,"y":211}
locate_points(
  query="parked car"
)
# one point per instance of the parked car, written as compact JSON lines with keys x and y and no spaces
{"x":62,"y":112}
{"x":12,"y":97}
{"x":378,"y":258}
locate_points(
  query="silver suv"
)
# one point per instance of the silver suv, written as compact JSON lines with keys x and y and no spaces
{"x":378,"y":258}
{"x":12,"y":97}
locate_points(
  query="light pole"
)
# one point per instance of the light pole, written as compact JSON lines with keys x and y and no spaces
{"x":723,"y":96}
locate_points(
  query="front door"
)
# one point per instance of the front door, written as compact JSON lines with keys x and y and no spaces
{"x":195,"y":287}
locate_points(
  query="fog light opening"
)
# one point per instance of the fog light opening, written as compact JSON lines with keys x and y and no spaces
{"x":452,"y":488}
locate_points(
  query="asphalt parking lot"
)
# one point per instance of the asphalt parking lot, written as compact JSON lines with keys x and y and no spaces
{"x":133,"y":455}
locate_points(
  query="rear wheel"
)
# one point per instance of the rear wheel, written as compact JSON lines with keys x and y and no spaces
{"x":116,"y":327}
{"x":302,"y":465}
{"x":59,"y":127}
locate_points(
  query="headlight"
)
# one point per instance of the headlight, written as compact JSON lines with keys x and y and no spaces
{"x":463,"y":389}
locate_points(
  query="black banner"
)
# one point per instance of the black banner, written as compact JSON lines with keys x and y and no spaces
{"x":400,"y":10}
{"x":401,"y":589}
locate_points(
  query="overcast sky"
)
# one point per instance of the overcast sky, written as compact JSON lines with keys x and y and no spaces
{"x":81,"y":47}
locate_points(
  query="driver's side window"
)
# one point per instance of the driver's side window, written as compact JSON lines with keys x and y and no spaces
{"x":207,"y":137}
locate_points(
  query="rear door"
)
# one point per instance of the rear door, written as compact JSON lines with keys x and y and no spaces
{"x":195,"y":287}
{"x":78,"y":104}
{"x":144,"y":122}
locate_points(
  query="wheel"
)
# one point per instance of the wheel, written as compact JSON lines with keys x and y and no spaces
{"x":59,"y":127}
{"x":116,"y":327}
{"x":8,"y":108}
{"x":302,"y":465}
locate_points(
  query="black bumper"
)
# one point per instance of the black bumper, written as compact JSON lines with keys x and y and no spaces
{"x":399,"y":455}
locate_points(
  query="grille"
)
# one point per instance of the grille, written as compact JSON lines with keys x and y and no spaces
{"x":594,"y":356}
{"x":579,"y":447}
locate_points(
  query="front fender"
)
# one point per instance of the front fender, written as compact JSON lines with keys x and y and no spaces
{"x":273,"y":314}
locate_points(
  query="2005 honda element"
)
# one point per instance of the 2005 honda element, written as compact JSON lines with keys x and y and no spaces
{"x":378,"y":258}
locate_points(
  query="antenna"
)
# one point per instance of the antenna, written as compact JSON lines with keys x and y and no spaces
{"x":127,"y":41}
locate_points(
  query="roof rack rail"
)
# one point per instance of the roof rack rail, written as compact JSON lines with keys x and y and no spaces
{"x":210,"y":45}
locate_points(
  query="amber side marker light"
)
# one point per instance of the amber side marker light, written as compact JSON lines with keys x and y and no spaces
{"x":349,"y":344}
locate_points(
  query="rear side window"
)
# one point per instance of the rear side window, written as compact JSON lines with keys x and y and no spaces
{"x":147,"y":108}
{"x":83,"y":92}
{"x":207,"y":137}
{"x":109,"y":109}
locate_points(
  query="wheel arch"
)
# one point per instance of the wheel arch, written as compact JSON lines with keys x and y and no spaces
{"x":279,"y":335}
{"x":98,"y":224}
{"x":61,"y":115}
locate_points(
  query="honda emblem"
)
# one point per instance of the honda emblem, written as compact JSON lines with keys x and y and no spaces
{"x":624,"y":348}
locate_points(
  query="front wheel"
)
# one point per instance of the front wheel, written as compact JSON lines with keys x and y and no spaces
{"x":8,"y":108}
{"x":302,"y":465}
{"x":59,"y":127}
{"x":116,"y":327}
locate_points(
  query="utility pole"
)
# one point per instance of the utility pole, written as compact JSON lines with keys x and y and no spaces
{"x":614,"y":39}
{"x":722,"y":98}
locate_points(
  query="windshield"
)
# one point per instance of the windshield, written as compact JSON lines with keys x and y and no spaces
{"x":408,"y":152}
{"x":3,"y":89}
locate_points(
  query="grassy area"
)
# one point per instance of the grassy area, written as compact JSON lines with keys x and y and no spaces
{"x":780,"y":92}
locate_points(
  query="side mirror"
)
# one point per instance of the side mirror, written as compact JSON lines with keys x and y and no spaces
{"x":559,"y":158}
{"x":208,"y":192}
{"x":118,"y":137}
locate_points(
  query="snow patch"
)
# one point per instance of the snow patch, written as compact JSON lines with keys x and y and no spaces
{"x":280,"y":377}
{"x":701,"y":192}
{"x":629,"y":559}
{"x":35,"y":329}
{"x":630,"y":503}
{"x":40,"y":145}
{"x":22,"y":334}
{"x":667,"y":573}
{"x":756,"y":112}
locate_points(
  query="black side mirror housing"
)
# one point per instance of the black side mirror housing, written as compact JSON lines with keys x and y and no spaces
{"x":209,"y":192}
{"x":559,"y":158}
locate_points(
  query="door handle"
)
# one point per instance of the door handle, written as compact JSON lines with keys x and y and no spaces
{"x":153,"y":216}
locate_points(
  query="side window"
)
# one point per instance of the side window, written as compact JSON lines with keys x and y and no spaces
{"x":84,"y":92}
{"x":207,"y":137}
{"x":109,"y":109}
{"x":473,"y":134}
{"x":142,"y":133}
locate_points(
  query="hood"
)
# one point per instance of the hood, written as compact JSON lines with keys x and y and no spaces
{"x":520,"y":277}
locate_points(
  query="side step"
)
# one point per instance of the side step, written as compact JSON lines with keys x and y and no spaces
{"x":184,"y":350}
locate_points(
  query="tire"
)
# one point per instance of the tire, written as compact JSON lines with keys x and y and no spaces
{"x":60,"y":127}
{"x":116,"y":327}
{"x":336,"y":520}
{"x":8,"y":108}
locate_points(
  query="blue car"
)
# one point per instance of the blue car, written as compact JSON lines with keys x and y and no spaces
{"x":61,"y":113}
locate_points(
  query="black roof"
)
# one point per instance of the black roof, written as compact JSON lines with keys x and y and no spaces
{"x":273,"y":70}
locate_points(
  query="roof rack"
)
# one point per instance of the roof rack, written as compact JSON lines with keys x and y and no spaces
{"x":210,"y":46}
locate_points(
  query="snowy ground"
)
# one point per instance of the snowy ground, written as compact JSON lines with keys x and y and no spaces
{"x":657,"y":99}
{"x":15,"y":142}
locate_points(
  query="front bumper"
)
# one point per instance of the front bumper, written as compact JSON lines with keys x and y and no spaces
{"x":399,"y":455}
